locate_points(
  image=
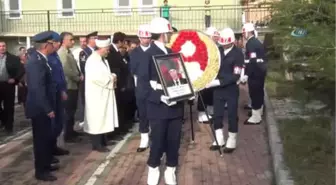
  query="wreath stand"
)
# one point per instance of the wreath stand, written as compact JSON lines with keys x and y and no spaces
{"x":191,"y":103}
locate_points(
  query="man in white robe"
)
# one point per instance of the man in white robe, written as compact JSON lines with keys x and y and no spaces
{"x":101,"y":114}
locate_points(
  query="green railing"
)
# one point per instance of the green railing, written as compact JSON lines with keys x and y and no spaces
{"x":107,"y":21}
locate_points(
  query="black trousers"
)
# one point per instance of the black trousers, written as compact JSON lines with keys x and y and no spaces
{"x":42,"y":141}
{"x":143,"y":121}
{"x":7,"y":101}
{"x":70,"y":107}
{"x":82,"y":100}
{"x":232,"y":106}
{"x":256,"y":91}
{"x":166,"y":137}
{"x":207,"y":96}
{"x":98,"y":140}
{"x":22,"y":94}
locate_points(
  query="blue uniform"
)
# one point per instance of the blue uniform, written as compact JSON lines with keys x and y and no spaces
{"x":165,"y":121}
{"x":255,"y":62}
{"x":39,"y":103}
{"x":59,"y":80}
{"x":137,"y":57}
{"x":228,"y":91}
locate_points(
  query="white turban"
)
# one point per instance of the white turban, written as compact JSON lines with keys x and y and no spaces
{"x":103,"y":43}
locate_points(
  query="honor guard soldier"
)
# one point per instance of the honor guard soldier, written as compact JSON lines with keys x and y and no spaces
{"x":137,"y":58}
{"x":226,"y":91}
{"x":39,"y":104}
{"x":207,"y":94}
{"x":255,"y":72}
{"x":165,"y":117}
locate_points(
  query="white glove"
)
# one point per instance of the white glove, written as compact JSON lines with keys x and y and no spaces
{"x":243,"y":79}
{"x":214,"y":83}
{"x":164,"y":99}
{"x":192,"y":98}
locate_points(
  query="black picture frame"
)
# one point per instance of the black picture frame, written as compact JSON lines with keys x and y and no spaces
{"x":179,"y":89}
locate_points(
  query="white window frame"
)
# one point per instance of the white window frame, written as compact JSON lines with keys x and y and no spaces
{"x":122,"y":10}
{"x":61,"y":10}
{"x":142,"y":8}
{"x":8,"y":11}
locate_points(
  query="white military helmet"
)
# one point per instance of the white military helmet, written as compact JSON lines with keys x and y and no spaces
{"x":143,"y":31}
{"x":249,"y":27}
{"x":212,"y":31}
{"x":227,"y":36}
{"x":160,"y":25}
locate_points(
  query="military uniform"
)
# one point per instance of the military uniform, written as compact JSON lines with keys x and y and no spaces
{"x":39,"y":103}
{"x":255,"y":62}
{"x":137,"y":57}
{"x":227,"y":92}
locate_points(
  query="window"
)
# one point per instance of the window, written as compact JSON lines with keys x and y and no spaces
{"x":13,"y":9}
{"x":66,"y":8}
{"x":146,"y":6}
{"x":123,"y":7}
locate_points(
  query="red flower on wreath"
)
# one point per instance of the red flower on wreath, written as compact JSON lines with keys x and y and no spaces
{"x":199,"y":53}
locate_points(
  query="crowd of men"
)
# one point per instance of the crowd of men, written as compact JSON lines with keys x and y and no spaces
{"x":112,"y":84}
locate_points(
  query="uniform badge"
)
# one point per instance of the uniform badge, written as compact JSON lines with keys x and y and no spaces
{"x":237,"y":70}
{"x":253,"y":55}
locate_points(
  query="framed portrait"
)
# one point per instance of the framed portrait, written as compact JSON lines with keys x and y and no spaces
{"x":173,"y":76}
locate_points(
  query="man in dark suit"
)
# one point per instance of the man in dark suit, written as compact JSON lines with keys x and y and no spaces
{"x":10,"y":75}
{"x":119,"y":67}
{"x":40,"y":104}
{"x":175,"y":79}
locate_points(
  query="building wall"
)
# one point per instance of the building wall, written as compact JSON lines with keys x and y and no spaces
{"x":100,"y":16}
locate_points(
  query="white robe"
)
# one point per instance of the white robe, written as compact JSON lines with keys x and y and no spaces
{"x":101,"y":115}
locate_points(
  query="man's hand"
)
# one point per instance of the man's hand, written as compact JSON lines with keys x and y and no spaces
{"x":81,"y":78}
{"x":51,"y":114}
{"x":11,"y":81}
{"x":64,"y":96}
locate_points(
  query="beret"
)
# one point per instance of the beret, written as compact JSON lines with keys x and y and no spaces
{"x":95,"y":33}
{"x":55,"y":36}
{"x":42,"y":37}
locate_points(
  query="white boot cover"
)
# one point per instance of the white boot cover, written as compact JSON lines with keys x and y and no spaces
{"x":210,"y":110}
{"x":153,"y":176}
{"x":170,"y":176}
{"x":144,"y":140}
{"x":232,"y":141}
{"x":202,"y":117}
{"x":220,"y":137}
{"x":256,"y":117}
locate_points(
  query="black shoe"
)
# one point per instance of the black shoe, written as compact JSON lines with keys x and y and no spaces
{"x":45,"y":177}
{"x":53,"y":168}
{"x":54,"y":160}
{"x":60,"y":151}
{"x":250,"y":123}
{"x":101,"y":149}
{"x":228,"y":150}
{"x":72,"y":140}
{"x":249,"y":113}
{"x":141,"y":149}
{"x":216,"y":147}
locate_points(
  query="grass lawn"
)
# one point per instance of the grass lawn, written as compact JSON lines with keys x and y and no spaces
{"x":309,"y":150}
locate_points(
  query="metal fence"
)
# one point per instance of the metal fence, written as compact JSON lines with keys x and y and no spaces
{"x":107,"y":21}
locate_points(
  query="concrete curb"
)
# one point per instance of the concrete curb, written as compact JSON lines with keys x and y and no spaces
{"x":281,"y":172}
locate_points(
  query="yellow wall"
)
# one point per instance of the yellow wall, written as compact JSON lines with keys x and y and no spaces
{"x":35,"y":17}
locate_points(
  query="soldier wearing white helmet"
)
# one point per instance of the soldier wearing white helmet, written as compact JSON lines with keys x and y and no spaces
{"x":207,"y":94}
{"x":226,"y":90}
{"x":255,"y":72}
{"x":137,"y":57}
{"x":165,"y":117}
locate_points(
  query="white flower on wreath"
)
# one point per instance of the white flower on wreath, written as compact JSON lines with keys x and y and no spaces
{"x":194,"y":71}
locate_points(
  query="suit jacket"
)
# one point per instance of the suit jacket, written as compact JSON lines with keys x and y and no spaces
{"x":13,"y":66}
{"x":41,"y":89}
{"x":70,"y":68}
{"x":119,"y":67}
{"x":171,"y":82}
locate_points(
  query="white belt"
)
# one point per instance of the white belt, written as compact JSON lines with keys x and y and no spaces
{"x":259,"y":60}
{"x":155,"y":85}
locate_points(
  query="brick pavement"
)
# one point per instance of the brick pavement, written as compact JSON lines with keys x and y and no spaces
{"x":248,"y":165}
